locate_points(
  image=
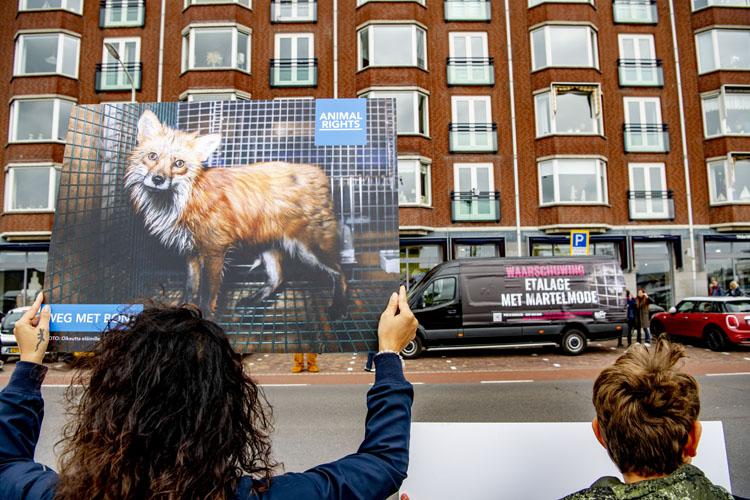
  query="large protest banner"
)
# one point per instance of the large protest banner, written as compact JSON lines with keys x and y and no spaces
{"x":278,"y":218}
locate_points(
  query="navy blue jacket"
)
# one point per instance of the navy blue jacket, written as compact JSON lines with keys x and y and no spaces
{"x":375,"y":471}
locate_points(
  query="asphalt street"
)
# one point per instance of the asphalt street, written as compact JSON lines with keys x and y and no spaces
{"x":315,"y":424}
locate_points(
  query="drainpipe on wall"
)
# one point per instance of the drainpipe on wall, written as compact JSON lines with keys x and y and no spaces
{"x":160,"y":77}
{"x":685,"y":159}
{"x":509,"y":49}
{"x":335,"y":49}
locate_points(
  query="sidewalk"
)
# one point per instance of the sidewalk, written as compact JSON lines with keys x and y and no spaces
{"x":494,"y":365}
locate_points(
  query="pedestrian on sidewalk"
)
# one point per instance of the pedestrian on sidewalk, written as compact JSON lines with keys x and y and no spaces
{"x":631,"y":310}
{"x":643,"y":317}
{"x":167,"y":410}
{"x":714,"y":289}
{"x":734,"y":289}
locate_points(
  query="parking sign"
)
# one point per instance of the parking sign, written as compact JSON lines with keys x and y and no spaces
{"x":579,"y":242}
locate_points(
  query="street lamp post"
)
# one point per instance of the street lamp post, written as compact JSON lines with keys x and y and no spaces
{"x":116,"y":55}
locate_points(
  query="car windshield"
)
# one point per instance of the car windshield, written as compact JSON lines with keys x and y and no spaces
{"x":11,"y":319}
{"x":739,"y":306}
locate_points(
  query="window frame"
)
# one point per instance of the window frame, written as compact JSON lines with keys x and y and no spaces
{"x":727,"y":163}
{"x":593,"y":48}
{"x":190,"y":3}
{"x":452,"y":35}
{"x":54,"y":179}
{"x":360,"y":3}
{"x":601,"y":181}
{"x":415,"y":28}
{"x":418,"y":94}
{"x":423,"y":166}
{"x":23,"y":7}
{"x":534,"y":3}
{"x":720,"y":94}
{"x":713,"y":31}
{"x":710,"y":3}
{"x":642,"y":100}
{"x":487,"y":100}
{"x":552,"y":93}
{"x":473,"y":167}
{"x":650,"y":214}
{"x":19,"y":46}
{"x":13,"y":121}
{"x":188,"y":43}
{"x":125,"y":9}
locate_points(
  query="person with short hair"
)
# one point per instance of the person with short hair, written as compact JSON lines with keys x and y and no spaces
{"x":647,"y":419}
{"x":166,"y":411}
{"x":714,"y":288}
{"x":734,"y":289}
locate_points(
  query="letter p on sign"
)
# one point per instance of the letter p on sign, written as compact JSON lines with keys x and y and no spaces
{"x":579,"y":243}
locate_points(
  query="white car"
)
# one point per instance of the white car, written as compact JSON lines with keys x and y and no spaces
{"x":8,"y":345}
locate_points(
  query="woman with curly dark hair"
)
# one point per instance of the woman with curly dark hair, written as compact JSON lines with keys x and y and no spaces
{"x":166,"y":411}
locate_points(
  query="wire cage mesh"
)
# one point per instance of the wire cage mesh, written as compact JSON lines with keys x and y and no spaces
{"x":101,"y":251}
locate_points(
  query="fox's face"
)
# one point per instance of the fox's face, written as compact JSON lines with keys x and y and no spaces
{"x":166,"y":159}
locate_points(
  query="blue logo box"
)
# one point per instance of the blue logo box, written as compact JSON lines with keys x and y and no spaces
{"x":341,"y":122}
{"x":89,"y":317}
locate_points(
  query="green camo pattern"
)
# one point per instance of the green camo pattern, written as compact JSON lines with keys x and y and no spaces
{"x":686,"y":483}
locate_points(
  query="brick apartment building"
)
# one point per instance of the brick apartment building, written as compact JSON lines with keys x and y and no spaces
{"x":518,"y":120}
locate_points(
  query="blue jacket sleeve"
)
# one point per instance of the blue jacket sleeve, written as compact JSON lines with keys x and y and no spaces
{"x":21,"y":413}
{"x":379,"y":466}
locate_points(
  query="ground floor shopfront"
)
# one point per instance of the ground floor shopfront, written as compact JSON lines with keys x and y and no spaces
{"x":659,"y":261}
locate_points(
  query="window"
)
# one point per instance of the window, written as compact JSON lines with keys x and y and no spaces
{"x":112,"y":76}
{"x":294,"y":62}
{"x":471,"y":127}
{"x":284,"y":11}
{"x":21,"y":278}
{"x":221,"y":47}
{"x":468,"y":63}
{"x":71,"y":5}
{"x":702,"y":4}
{"x":686,"y":306}
{"x":533,"y":3}
{"x":476,"y":250}
{"x":638,"y":65}
{"x":554,"y":249}
{"x":635,"y":11}
{"x":48,"y":53}
{"x":441,"y":291}
{"x":644,"y":130}
{"x":727,"y":261}
{"x":30,"y":188}
{"x":414,"y":183}
{"x":215,"y":95}
{"x":39,"y":120}
{"x":392,"y":45}
{"x":648,"y":197}
{"x":653,"y":270}
{"x":727,"y":112}
{"x":467,"y":10}
{"x":362,"y":2}
{"x":474,"y":197}
{"x":574,"y":181}
{"x":411,"y":110}
{"x":729,"y":179}
{"x":473,"y":177}
{"x":556,"y":45}
{"x":121,"y":13}
{"x":415,"y":260}
{"x":568,"y":109}
{"x":725,"y":49}
{"x":245,"y":3}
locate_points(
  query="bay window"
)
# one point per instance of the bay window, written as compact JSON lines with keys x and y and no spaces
{"x":723,"y":49}
{"x":727,"y":112}
{"x":47,"y":54}
{"x":414,"y":183}
{"x":392,"y":45}
{"x":39,"y":119}
{"x":568,"y":109}
{"x":573,"y":181}
{"x":216,"y":47}
{"x":30,"y":188}
{"x":411,"y":110}
{"x":564,"y":46}
{"x":729,"y":179}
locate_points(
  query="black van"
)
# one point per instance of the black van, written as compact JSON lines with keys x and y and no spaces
{"x":518,"y":302}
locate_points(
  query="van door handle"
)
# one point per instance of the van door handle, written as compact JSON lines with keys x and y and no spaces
{"x":451,"y":311}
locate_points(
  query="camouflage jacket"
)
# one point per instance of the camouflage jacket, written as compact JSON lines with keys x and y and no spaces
{"x":686,"y":483}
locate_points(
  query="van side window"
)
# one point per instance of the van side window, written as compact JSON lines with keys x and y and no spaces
{"x":440,"y":291}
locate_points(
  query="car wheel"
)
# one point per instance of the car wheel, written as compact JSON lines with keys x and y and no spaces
{"x":573,"y":342}
{"x":413,"y":349}
{"x":715,"y":339}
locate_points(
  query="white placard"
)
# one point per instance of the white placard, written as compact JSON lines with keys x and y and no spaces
{"x":532,"y":461}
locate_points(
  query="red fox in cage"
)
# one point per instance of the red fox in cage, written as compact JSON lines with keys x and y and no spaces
{"x":282,"y":208}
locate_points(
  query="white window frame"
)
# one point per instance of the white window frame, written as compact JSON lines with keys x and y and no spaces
{"x":294,"y":36}
{"x":601,"y":182}
{"x":23,"y":7}
{"x":416,"y":92}
{"x":188,"y":3}
{"x":10,"y":185}
{"x":473,"y":167}
{"x":471,"y":99}
{"x":55,"y":119}
{"x":635,"y":37}
{"x":21,"y":40}
{"x":593,"y":51}
{"x":642,"y":111}
{"x":124,"y":8}
{"x":425,"y":164}
{"x":715,"y":48}
{"x":295,"y":15}
{"x":188,"y":43}
{"x":467,"y":34}
{"x":721,"y":96}
{"x":596,"y":102}
{"x":650,"y":212}
{"x":727,"y":163}
{"x":107,"y":58}
{"x":360,"y":3}
{"x":742,"y":4}
{"x":237,"y":95}
{"x":371,"y":46}
{"x":534,"y":3}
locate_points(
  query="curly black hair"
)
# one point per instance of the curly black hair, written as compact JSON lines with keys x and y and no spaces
{"x":165,"y":410}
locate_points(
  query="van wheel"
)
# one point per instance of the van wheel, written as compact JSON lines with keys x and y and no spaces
{"x":573,"y":342}
{"x":715,"y":339}
{"x":413,"y":349}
